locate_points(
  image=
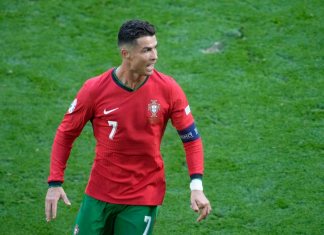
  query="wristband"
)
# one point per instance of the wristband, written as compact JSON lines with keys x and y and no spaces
{"x":54,"y":184}
{"x":196,"y":184}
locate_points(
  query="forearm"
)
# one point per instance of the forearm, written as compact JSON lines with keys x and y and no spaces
{"x":61,"y":149}
{"x":195,"y":158}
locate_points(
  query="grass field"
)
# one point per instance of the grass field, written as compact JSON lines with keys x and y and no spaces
{"x":258,"y":103}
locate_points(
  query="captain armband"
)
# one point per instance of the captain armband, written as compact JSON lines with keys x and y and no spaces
{"x":189,"y":134}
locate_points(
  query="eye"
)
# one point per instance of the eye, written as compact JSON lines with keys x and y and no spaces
{"x":147,"y":49}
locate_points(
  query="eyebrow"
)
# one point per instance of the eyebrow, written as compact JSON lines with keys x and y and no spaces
{"x":144,"y":48}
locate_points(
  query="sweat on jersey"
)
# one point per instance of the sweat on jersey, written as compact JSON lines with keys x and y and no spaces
{"x":128,"y":126}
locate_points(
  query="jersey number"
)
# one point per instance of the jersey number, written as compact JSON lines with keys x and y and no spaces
{"x":147,"y":219}
{"x":114,"y":125}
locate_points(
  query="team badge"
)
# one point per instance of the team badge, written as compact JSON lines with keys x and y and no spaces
{"x":153,"y":108}
{"x":73,"y":105}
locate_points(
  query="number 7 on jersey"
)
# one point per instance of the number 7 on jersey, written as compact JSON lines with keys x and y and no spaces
{"x":114,"y":125}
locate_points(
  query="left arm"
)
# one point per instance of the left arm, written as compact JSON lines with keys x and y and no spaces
{"x":194,"y":157}
{"x":183,"y":121}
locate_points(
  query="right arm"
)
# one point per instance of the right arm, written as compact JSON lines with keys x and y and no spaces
{"x":70,"y":128}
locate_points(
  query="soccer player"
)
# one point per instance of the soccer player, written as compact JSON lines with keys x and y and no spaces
{"x":129,"y":107}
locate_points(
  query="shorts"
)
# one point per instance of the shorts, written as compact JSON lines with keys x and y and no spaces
{"x":101,"y":218}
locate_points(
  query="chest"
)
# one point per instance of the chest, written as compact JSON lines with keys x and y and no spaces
{"x":147,"y":106}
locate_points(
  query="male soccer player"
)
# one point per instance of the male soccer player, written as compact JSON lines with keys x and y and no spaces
{"x":129,"y":107}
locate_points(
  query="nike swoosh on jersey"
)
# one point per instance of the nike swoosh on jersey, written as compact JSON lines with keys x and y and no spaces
{"x":109,"y":111}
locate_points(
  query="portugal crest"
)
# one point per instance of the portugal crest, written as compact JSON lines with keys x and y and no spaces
{"x":154,"y":108}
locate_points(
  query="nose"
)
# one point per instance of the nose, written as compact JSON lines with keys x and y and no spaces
{"x":154,"y":54}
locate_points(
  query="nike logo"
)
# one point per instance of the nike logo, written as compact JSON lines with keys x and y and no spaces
{"x":109,"y":111}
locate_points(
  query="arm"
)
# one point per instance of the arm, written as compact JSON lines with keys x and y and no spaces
{"x":183,"y":121}
{"x":70,"y":128}
{"x":194,"y":156}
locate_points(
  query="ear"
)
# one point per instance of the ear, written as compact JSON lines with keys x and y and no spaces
{"x":125,"y":53}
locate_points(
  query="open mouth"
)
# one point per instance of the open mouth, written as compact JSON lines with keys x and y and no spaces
{"x":150,"y":67}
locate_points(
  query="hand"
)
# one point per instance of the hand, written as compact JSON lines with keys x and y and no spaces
{"x":53,"y":195}
{"x":200,"y":204}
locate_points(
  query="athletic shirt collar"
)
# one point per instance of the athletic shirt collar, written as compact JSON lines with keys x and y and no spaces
{"x":122,"y":85}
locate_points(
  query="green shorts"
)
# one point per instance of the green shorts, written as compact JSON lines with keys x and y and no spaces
{"x":97,"y":217}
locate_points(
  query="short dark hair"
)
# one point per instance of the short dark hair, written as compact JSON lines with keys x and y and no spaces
{"x":133,"y":29}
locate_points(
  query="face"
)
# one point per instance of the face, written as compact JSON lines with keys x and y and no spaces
{"x":142,"y":56}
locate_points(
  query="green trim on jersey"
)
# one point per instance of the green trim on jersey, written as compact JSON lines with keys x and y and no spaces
{"x":122,"y":85}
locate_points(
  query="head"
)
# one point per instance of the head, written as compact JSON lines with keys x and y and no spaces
{"x":131,"y":30}
{"x":137,"y":43}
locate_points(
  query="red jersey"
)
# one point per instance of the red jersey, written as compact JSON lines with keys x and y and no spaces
{"x":128,"y":126}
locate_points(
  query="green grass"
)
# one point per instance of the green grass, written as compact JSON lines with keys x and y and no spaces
{"x":259,"y":105}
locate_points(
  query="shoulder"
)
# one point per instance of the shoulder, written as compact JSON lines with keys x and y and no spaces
{"x":93,"y":87}
{"x":95,"y":83}
{"x":165,"y":79}
{"x":168,"y":85}
{"x":97,"y":80}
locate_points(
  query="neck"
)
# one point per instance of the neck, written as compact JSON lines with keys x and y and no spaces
{"x":130,"y":79}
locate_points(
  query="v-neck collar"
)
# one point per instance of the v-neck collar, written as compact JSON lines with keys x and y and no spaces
{"x":122,"y":85}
